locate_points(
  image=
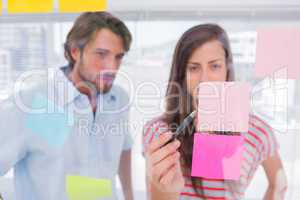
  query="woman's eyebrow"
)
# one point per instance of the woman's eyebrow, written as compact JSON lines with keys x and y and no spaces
{"x":218,"y":59}
{"x":193,"y":63}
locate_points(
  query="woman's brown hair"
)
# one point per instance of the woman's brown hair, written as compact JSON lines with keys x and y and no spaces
{"x":178,"y":101}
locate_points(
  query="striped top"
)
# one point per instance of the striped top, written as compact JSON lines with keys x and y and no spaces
{"x":260,"y":143}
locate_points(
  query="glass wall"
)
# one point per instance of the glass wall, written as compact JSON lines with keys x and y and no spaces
{"x":36,"y":41}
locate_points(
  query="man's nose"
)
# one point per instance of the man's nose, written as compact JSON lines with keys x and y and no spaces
{"x":111,"y":64}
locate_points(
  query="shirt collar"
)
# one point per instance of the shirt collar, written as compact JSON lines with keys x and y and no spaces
{"x":64,"y":89}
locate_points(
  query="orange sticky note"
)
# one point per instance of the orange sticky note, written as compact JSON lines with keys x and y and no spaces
{"x":82,"y":5}
{"x":30,"y":6}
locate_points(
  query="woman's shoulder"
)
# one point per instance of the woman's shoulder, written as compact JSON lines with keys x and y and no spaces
{"x":255,"y":120}
{"x":261,"y":136}
{"x":153,"y":128}
{"x":155,"y":122}
{"x":259,"y":127}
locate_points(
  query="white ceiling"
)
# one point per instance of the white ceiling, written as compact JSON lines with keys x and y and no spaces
{"x":184,"y":5}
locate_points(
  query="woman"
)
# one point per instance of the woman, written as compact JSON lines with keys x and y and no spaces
{"x":203,"y":54}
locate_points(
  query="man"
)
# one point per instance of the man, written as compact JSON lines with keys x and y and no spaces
{"x":77,"y":136}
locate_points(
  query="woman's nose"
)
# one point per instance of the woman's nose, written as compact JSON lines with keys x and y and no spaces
{"x":204,"y":76}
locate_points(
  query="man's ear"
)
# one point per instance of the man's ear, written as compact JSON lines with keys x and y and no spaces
{"x":75,"y":53}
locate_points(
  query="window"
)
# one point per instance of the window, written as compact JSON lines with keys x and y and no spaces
{"x":30,"y":43}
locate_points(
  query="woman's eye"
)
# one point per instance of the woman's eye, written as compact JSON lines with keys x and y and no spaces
{"x":193,"y":68}
{"x":216,"y":66}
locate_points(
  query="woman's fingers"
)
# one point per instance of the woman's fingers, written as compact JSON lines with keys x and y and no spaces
{"x":173,"y":177}
{"x":165,"y":151}
{"x":158,"y":143}
{"x":169,"y":176}
{"x":162,"y":161}
{"x":162,"y":167}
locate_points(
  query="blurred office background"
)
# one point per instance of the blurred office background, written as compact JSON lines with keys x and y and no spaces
{"x":35,"y":41}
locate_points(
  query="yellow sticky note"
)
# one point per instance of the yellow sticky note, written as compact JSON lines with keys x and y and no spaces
{"x":82,"y":5}
{"x":30,"y":6}
{"x":85,"y":188}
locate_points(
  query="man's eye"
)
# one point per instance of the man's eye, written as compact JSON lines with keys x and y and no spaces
{"x":120,"y":57}
{"x":101,"y":54}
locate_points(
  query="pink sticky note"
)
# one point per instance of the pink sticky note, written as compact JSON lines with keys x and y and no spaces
{"x":223,"y":106}
{"x":217,"y":156}
{"x":277,"y":53}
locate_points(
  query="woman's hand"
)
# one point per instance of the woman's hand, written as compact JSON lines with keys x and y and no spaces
{"x":164,"y":175}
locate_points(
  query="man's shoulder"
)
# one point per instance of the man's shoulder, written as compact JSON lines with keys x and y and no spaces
{"x":26,"y":90}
